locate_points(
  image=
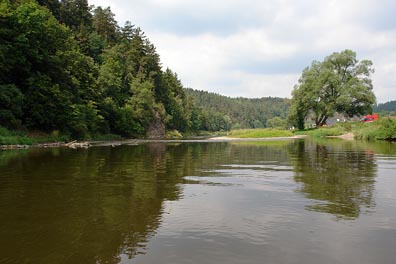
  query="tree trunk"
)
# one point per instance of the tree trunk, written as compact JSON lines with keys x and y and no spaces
{"x":321,"y":120}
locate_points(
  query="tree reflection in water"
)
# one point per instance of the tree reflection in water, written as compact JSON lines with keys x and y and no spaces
{"x":340,"y":180}
{"x":89,"y":206}
{"x":103,"y":204}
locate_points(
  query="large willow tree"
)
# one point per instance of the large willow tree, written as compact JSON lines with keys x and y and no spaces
{"x":339,"y":84}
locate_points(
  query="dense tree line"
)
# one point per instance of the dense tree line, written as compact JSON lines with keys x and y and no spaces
{"x":387,"y":107}
{"x":70,"y":67}
{"x":222,"y":112}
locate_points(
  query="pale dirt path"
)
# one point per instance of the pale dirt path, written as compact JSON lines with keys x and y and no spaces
{"x":348,"y":136}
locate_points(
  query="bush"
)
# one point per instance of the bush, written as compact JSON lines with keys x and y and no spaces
{"x":387,"y":129}
{"x":384,"y":129}
{"x":173,"y":134}
{"x":8,"y":137}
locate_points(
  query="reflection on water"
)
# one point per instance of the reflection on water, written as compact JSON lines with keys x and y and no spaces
{"x":85,"y":206}
{"x":245,"y":202}
{"x":340,"y":180}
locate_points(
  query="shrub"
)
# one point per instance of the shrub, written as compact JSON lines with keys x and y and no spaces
{"x":173,"y":134}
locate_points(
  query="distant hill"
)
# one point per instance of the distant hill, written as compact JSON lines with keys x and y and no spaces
{"x":243,"y":112}
{"x":385,"y":107}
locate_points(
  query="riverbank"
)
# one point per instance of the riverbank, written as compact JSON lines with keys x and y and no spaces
{"x":227,"y":138}
{"x":115,"y":143}
{"x":383,"y":129}
{"x":259,"y":133}
{"x":347,"y":136}
{"x":73,"y":144}
{"x":17,"y":139}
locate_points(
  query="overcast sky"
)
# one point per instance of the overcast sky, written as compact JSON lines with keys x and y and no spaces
{"x":257,"y":48}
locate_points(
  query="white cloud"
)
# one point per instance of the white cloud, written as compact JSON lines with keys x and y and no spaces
{"x":217,"y":59}
{"x":384,"y":78}
{"x":263,"y":85}
{"x":239,"y":47}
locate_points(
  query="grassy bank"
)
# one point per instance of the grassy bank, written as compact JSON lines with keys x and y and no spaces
{"x":324,"y":131}
{"x":8,"y":137}
{"x":383,"y":129}
{"x":259,"y":133}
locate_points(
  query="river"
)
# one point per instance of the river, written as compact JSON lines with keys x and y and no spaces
{"x":289,"y":201}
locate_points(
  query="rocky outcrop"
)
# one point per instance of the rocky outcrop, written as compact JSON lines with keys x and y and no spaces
{"x":156,"y":128}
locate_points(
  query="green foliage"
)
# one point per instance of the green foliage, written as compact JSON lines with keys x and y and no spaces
{"x":15,"y":140}
{"x":85,"y":120}
{"x":75,"y":13}
{"x":384,"y":129}
{"x":325,"y":131}
{"x":216,"y":121}
{"x":8,"y":137}
{"x":260,"y":133}
{"x":176,"y":103}
{"x":18,"y":137}
{"x":10,"y":106}
{"x":276,"y":122}
{"x":174,"y":134}
{"x":385,"y":109}
{"x":137,"y":112}
{"x":68,"y":68}
{"x":105,"y":24}
{"x":388,"y":129}
{"x":238,"y":112}
{"x":338,"y":84}
{"x":388,"y":106}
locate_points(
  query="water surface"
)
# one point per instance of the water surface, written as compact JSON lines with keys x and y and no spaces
{"x":200,"y":202}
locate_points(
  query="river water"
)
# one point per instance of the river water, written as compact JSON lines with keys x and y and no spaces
{"x":297,"y":201}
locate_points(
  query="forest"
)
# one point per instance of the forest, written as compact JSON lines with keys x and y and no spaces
{"x":66,"y":66}
{"x":69,"y":67}
{"x":241,"y":112}
{"x":388,"y":108}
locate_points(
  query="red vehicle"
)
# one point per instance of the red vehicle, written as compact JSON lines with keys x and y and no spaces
{"x":369,"y":118}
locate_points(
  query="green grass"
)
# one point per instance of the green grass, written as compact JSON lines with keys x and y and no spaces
{"x":8,"y":137}
{"x":259,"y":133}
{"x":266,"y":143}
{"x":383,"y":129}
{"x":323,"y":132}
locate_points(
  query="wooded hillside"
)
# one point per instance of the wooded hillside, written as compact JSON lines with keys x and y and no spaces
{"x":385,"y":107}
{"x":68,"y":67}
{"x":241,"y":112}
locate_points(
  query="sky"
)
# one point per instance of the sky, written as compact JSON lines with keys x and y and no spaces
{"x":258,"y":48}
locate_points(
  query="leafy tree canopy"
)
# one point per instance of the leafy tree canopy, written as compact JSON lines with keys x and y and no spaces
{"x":67,"y":66}
{"x":220,"y":112}
{"x":340,"y":84}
